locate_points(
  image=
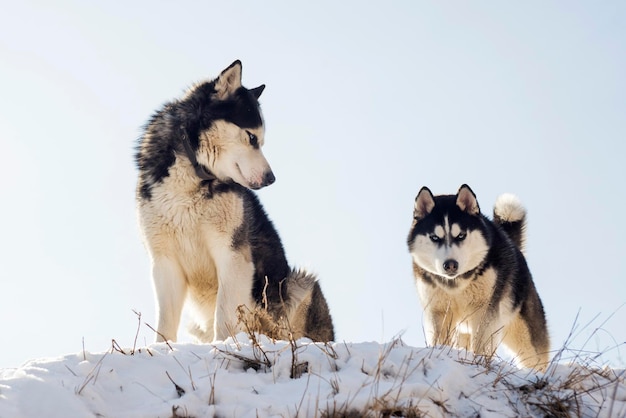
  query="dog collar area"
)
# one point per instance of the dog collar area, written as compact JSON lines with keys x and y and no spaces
{"x":200,"y":170}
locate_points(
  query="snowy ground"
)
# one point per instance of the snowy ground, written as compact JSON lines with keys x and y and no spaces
{"x":263,"y":378}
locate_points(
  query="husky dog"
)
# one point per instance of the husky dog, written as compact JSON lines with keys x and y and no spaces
{"x":472,"y":278}
{"x":210,"y":241}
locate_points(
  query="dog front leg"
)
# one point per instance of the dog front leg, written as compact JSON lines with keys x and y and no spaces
{"x":527,"y":352}
{"x":235,"y":274}
{"x":487,"y":334}
{"x":171,"y":289}
{"x":438,"y":327}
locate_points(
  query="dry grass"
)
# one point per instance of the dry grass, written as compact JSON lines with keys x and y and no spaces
{"x":553,"y":394}
{"x":257,"y":322}
{"x":572,"y":379}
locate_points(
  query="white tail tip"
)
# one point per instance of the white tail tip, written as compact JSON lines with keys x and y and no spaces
{"x":509,"y":208}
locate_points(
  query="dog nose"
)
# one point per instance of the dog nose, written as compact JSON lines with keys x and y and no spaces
{"x":268,"y":178}
{"x":451,"y":266}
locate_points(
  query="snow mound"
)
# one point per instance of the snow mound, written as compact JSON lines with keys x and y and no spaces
{"x":263,"y":378}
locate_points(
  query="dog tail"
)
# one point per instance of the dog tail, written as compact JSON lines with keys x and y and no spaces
{"x":510,"y":215}
{"x":308,"y":306}
{"x":300,"y":284}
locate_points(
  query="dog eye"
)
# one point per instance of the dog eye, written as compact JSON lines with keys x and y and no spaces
{"x":461,"y":236}
{"x":254,"y":141}
{"x":434,"y":238}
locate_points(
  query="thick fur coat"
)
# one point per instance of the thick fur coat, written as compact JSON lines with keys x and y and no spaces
{"x":210,"y":241}
{"x":472,"y":277}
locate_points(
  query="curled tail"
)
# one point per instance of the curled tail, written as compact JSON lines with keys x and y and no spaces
{"x":510,"y":215}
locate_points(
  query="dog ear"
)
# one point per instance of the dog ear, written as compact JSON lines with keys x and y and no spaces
{"x":256,"y":92}
{"x":424,"y":203}
{"x":228,"y":81}
{"x":466,"y":200}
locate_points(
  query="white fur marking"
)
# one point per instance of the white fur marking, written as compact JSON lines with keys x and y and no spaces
{"x":509,"y":208}
{"x":455,"y":230}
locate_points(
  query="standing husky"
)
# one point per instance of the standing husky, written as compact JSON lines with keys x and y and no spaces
{"x":210,"y":241}
{"x":472,"y":277}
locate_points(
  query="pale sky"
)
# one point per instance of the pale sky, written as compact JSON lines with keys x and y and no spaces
{"x":365,"y":103}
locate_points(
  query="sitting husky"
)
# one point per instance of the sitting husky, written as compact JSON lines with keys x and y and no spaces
{"x":210,"y":241}
{"x":472,"y":277}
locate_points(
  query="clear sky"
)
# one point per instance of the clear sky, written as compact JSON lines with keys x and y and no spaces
{"x":366,"y":102}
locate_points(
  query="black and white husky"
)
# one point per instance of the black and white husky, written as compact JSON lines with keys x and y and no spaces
{"x":210,"y":241}
{"x":472,"y":277}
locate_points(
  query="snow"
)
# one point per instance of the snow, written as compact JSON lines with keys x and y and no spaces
{"x":258,"y":377}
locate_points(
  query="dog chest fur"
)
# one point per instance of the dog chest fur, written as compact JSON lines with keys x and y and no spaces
{"x":461,"y":301}
{"x":182,"y":223}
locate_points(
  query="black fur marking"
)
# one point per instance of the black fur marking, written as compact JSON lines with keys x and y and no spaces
{"x":247,"y":114}
{"x":241,"y":108}
{"x":515,"y":230}
{"x":445,"y":282}
{"x":319,"y":315}
{"x":256,"y":92}
{"x":533,"y":308}
{"x":240,"y":236}
{"x":435,"y":279}
{"x":268,"y":255}
{"x":154,"y":156}
{"x":445,"y":206}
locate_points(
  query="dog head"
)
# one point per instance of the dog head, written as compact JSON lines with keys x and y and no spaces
{"x":448,"y":236}
{"x":225,"y":128}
